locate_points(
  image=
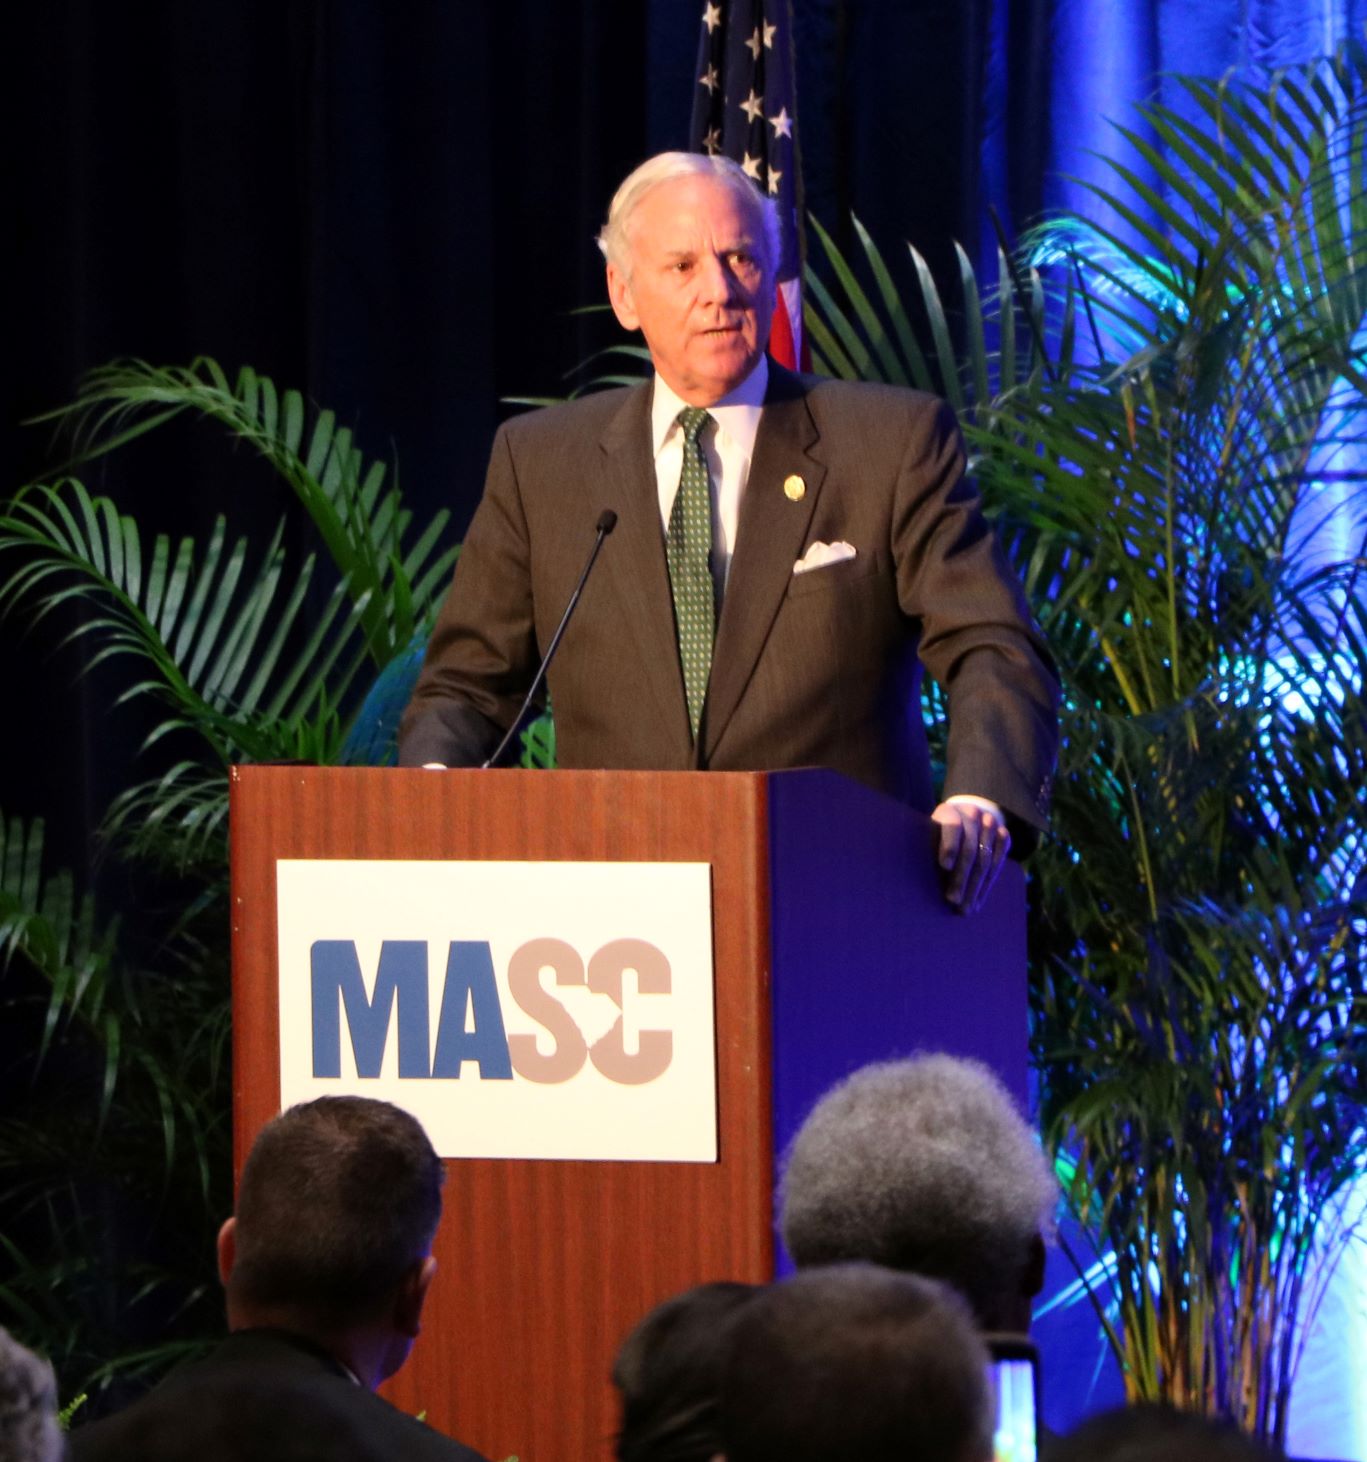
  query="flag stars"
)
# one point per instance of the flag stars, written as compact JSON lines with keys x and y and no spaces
{"x":755,"y":45}
{"x":712,"y":140}
{"x":782,"y":124}
{"x":752,"y":167}
{"x":774,"y":176}
{"x":709,"y":78}
{"x":769,"y":31}
{"x":752,"y":106}
{"x":711,"y":17}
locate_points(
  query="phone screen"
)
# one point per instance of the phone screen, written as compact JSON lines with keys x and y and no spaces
{"x":1013,"y":1383}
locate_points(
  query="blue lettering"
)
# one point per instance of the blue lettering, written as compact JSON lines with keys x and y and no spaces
{"x":401,"y":980}
{"x":470,"y":983}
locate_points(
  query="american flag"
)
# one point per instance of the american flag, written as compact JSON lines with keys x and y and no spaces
{"x":743,"y":107}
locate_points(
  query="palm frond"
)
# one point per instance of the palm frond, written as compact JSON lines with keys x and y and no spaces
{"x":363,"y":525}
{"x":52,"y":931}
{"x":209,"y":631}
{"x":858,"y":335}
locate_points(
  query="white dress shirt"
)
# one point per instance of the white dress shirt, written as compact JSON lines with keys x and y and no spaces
{"x":728,"y":443}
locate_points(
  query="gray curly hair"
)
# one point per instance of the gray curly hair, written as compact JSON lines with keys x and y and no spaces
{"x":664,"y":167}
{"x":922,"y":1165}
{"x":28,"y":1405}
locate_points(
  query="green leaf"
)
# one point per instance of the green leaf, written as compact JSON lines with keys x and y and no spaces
{"x":939,"y":329}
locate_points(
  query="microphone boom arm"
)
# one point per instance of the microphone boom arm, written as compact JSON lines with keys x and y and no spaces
{"x":607,"y":521}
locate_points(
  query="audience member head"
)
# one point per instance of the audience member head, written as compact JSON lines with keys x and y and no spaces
{"x":669,"y":1371}
{"x":336,"y":1211}
{"x":28,"y":1405}
{"x":853,"y":1363}
{"x":1156,"y":1434}
{"x":924,"y":1165}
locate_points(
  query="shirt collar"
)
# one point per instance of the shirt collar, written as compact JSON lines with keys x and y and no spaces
{"x":736,"y":414}
{"x":251,"y":1335}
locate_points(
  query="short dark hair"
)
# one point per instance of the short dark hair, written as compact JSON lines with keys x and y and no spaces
{"x":1154,"y":1433}
{"x":669,"y":1371}
{"x":339,"y":1198}
{"x":855,"y":1364}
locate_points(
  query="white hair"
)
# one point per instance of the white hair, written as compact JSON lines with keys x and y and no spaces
{"x":28,"y":1405}
{"x":922,"y":1165}
{"x":665,"y":167}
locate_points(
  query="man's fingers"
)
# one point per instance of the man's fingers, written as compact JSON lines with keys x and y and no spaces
{"x":951,"y":842}
{"x":973,"y":846}
{"x":981,"y":843}
{"x":958,"y":848}
{"x":965,"y":860}
{"x":1001,"y":847}
{"x":956,"y":890}
{"x":993,"y":844}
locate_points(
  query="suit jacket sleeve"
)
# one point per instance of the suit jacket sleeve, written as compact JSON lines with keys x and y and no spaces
{"x":978,"y":638}
{"x":482,"y":654}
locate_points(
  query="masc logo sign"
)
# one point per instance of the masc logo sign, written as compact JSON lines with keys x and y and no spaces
{"x":470,"y":1024}
{"x":436,"y":985}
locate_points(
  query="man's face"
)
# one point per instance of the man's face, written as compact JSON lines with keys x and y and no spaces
{"x":700,"y":287}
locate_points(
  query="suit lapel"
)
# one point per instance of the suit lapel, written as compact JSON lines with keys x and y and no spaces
{"x":638,"y":566}
{"x":769,"y":541}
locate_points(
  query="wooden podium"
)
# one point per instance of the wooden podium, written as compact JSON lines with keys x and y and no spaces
{"x":832,"y":946}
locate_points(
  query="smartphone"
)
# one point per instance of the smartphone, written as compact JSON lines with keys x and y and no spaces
{"x":1014,"y":1374}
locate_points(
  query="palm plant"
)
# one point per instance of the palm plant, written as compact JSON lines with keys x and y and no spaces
{"x":237,"y":651}
{"x":115,"y":1140}
{"x":1165,"y":420}
{"x":116,"y":1147}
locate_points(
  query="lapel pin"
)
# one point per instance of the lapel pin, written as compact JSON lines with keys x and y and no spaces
{"x":794,"y":488}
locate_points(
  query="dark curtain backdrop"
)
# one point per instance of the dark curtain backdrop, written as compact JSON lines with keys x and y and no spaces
{"x":390,"y":207}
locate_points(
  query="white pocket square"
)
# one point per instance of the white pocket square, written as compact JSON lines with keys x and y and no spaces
{"x":822,"y":555}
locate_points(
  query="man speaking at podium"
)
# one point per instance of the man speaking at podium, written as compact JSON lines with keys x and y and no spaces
{"x":789,"y":552}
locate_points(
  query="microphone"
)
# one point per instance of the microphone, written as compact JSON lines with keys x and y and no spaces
{"x":607,"y":521}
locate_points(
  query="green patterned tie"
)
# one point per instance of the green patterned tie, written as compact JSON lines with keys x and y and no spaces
{"x":688,"y":546}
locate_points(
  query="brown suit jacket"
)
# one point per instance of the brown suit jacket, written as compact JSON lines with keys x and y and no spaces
{"x":816,"y":669}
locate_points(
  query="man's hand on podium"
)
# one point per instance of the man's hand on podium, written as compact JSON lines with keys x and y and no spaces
{"x":974,"y":842}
